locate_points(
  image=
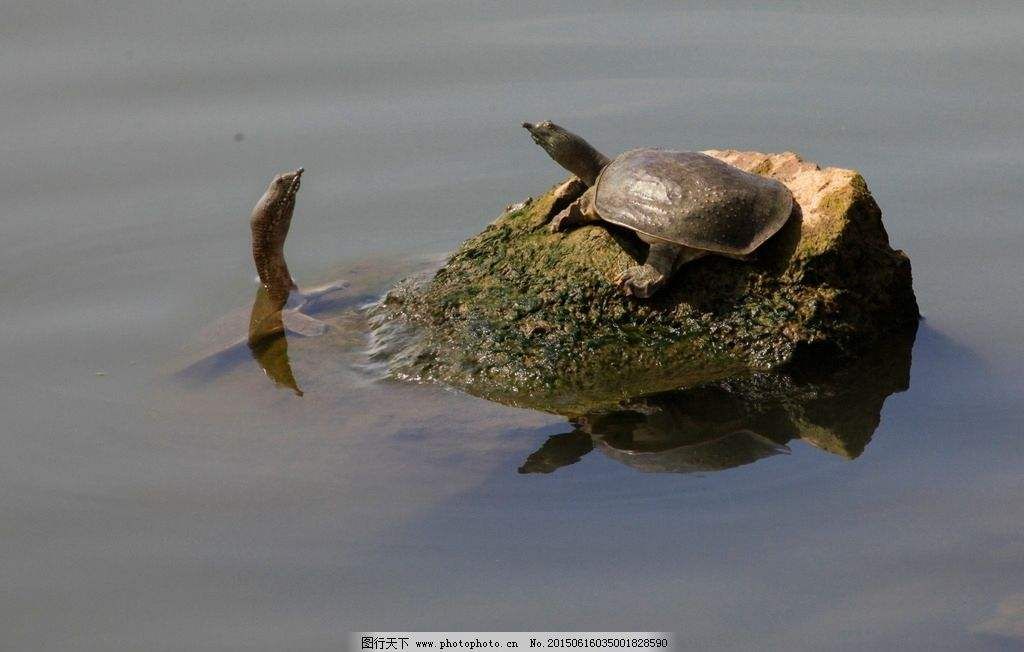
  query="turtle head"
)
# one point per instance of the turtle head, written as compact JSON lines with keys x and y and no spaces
{"x":277,"y":203}
{"x":285,"y":186}
{"x":568,"y":150}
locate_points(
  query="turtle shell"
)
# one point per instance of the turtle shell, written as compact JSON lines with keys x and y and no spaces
{"x":691,"y":199}
{"x":724,"y":452}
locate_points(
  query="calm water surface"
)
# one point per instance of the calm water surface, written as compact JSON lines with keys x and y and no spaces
{"x":140,"y":513}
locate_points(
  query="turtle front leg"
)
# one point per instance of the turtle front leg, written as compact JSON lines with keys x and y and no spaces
{"x":578,"y":213}
{"x":562,"y":196}
{"x":663,"y":259}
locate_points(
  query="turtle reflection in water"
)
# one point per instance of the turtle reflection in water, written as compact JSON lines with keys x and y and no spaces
{"x":730,"y":423}
{"x":656,"y":434}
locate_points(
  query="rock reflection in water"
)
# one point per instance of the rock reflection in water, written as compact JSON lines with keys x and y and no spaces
{"x":729,"y":423}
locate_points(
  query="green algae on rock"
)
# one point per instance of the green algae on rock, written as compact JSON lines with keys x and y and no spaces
{"x":528,"y":317}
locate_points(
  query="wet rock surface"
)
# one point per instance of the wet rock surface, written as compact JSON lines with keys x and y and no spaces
{"x":527,"y":317}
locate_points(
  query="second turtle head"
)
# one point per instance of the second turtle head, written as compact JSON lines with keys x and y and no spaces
{"x":286,"y":185}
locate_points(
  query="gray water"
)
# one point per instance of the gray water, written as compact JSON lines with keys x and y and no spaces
{"x":138,"y":513}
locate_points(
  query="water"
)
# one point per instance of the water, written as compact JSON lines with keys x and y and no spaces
{"x":142,"y":513}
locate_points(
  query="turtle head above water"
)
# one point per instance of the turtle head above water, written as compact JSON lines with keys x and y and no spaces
{"x":285,"y":186}
{"x":273,"y":213}
{"x":568,"y":150}
{"x":270,"y":221}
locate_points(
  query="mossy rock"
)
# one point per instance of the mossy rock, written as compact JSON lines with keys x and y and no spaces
{"x":524,"y":316}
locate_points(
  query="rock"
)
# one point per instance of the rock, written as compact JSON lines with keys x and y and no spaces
{"x":512,"y":208}
{"x":527,"y":317}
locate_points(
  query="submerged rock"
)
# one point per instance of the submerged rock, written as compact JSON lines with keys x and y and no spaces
{"x":524,"y":316}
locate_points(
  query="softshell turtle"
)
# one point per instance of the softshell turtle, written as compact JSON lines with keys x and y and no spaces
{"x":270,"y":220}
{"x":279,"y":307}
{"x":685,"y":205}
{"x":280,"y":310}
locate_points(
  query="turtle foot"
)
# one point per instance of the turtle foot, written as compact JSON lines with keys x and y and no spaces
{"x":570,"y":217}
{"x":564,"y":195}
{"x":640,"y":281}
{"x":299,"y":324}
{"x":563,"y":221}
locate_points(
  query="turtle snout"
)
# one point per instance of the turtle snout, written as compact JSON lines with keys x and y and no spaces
{"x":294,"y":179}
{"x":536,"y":132}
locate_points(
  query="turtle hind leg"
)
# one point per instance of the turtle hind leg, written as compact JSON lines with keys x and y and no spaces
{"x":663,"y":259}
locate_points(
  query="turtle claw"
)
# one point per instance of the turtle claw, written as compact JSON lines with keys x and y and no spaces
{"x":640,"y":281}
{"x":562,"y":221}
{"x":562,"y":196}
{"x":569,"y":217}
